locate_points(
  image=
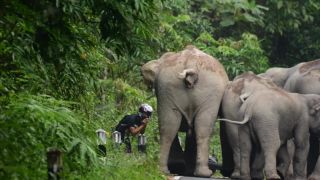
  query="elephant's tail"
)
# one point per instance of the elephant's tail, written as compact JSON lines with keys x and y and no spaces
{"x":245,"y":120}
{"x":190,"y":77}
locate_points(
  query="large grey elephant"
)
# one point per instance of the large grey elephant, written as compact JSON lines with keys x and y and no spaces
{"x":302,"y":78}
{"x":272,"y":117}
{"x":189,"y":87}
{"x":235,"y":94}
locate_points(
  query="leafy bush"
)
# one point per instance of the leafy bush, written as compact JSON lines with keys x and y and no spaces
{"x":237,"y":56}
{"x":32,"y":124}
{"x":68,"y":68}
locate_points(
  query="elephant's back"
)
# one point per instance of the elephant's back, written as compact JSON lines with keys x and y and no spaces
{"x":307,"y":82}
{"x":275,"y":101}
{"x":191,"y":57}
{"x":308,"y":66}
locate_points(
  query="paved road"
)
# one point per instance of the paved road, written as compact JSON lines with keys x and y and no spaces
{"x":194,"y":178}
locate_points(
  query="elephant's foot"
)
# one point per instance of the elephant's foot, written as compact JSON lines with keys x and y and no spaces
{"x":298,"y":178}
{"x":288,"y":177}
{"x":314,"y":177}
{"x":257,"y":175}
{"x":273,"y":176}
{"x":235,"y":174}
{"x":203,"y":171}
{"x":245,"y":177}
{"x":283,"y":171}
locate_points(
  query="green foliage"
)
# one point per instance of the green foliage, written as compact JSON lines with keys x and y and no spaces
{"x":32,"y":124}
{"x":128,"y":29}
{"x":286,"y":16}
{"x":124,"y":99}
{"x":290,"y":31}
{"x":68,"y":68}
{"x":187,"y":22}
{"x":123,"y":166}
{"x":37,"y":49}
{"x":231,"y":12}
{"x":238,"y":56}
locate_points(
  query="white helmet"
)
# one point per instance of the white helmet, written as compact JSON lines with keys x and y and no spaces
{"x":146,"y":108}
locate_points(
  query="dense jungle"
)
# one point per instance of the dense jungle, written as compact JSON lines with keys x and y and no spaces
{"x":70,"y":67}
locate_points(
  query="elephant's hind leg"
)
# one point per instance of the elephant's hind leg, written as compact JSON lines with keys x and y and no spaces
{"x":169,"y":120}
{"x":204,"y":123}
{"x":245,"y":152}
{"x":270,"y":143}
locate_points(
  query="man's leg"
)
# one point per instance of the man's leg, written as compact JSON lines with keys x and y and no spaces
{"x":128,"y":144}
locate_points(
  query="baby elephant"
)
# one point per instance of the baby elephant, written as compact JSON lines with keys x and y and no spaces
{"x":272,"y":117}
{"x":235,"y":93}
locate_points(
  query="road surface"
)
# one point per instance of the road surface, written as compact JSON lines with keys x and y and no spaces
{"x":194,"y":178}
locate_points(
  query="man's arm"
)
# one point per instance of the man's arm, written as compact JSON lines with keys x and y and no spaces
{"x":140,"y":128}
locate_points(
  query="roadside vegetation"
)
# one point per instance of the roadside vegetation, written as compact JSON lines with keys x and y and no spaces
{"x":69,"y":67}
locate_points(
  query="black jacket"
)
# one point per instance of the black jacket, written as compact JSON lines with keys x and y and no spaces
{"x":128,"y":121}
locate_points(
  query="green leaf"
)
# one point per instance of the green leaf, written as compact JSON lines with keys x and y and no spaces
{"x":249,"y":18}
{"x":183,"y":18}
{"x":228,"y":21}
{"x":279,"y":4}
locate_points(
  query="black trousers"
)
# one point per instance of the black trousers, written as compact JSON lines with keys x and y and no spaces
{"x":127,"y":142}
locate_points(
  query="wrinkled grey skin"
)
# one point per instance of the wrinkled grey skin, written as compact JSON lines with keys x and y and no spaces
{"x":304,"y":78}
{"x":246,"y":83}
{"x":189,"y":87}
{"x":274,"y":116}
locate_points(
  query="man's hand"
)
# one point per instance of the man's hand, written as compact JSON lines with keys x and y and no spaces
{"x":140,"y":129}
{"x":145,"y":121}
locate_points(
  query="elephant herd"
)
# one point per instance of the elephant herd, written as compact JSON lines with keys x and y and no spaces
{"x":269,"y":123}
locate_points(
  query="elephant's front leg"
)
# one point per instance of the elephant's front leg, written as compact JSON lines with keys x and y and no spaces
{"x":284,"y":160}
{"x":316,"y":172}
{"x":190,"y":153}
{"x":204,"y":123}
{"x":313,"y":153}
{"x":169,"y":123}
{"x":301,"y":142}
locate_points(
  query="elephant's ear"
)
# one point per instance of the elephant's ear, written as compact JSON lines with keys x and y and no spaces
{"x":190,"y":77}
{"x":149,"y":72}
{"x":314,"y":109}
